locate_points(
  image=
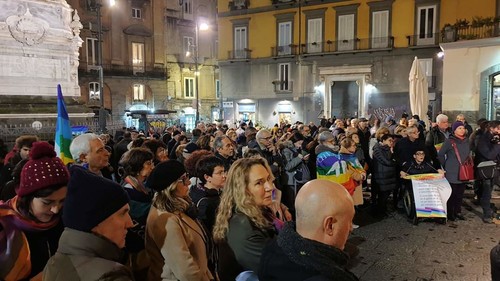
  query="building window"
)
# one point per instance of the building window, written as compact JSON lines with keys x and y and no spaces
{"x":380,"y":13}
{"x":189,"y":87}
{"x":187,"y":7}
{"x":92,"y":51}
{"x":314,"y":35}
{"x":284,"y":38}
{"x":137,"y":57}
{"x":345,"y":32}
{"x":426,"y":25}
{"x":346,"y":27}
{"x":284,"y":31}
{"x":136,"y":13}
{"x":240,"y":38}
{"x":315,"y":20}
{"x":94,"y":91}
{"x":240,"y":42}
{"x":188,"y":46}
{"x":138,"y":92}
{"x":380,"y":29}
{"x":284,"y":77}
{"x":217,"y":89}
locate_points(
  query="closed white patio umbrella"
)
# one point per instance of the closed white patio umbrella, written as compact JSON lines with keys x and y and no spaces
{"x":419,"y":94}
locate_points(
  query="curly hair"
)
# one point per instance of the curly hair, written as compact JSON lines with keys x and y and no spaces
{"x":133,"y":160}
{"x":166,"y":200}
{"x":237,"y":197}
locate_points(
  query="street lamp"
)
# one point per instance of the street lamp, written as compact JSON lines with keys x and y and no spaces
{"x":199,"y":26}
{"x":102,"y":111}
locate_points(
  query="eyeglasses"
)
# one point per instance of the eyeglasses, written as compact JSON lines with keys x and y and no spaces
{"x":267,"y":138}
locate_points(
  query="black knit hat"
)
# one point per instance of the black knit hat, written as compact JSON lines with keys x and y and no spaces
{"x":91,"y":199}
{"x":164,"y":174}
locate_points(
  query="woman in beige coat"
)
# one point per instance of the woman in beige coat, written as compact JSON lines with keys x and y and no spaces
{"x":175,"y":240}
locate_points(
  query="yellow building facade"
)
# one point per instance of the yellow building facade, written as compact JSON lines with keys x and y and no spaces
{"x":283,"y":60}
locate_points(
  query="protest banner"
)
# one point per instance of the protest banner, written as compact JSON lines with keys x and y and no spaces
{"x":430,"y":192}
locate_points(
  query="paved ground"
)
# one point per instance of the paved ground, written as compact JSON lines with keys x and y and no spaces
{"x":395,"y":249}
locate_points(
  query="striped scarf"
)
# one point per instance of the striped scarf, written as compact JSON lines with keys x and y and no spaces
{"x":14,"y":249}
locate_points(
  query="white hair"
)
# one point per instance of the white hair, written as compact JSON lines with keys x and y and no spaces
{"x":81,"y":145}
{"x":441,"y":118}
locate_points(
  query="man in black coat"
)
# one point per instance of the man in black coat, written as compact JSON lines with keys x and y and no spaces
{"x":312,"y":249}
{"x":488,"y":148}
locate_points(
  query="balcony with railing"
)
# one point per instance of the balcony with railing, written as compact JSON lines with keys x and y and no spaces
{"x":452,"y":33}
{"x":242,"y":54}
{"x":283,"y":51}
{"x":347,"y":46}
{"x":283,"y":86}
{"x":123,"y":70}
{"x":238,"y":5}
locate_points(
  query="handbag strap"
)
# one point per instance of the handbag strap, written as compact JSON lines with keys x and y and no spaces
{"x":454,"y":145}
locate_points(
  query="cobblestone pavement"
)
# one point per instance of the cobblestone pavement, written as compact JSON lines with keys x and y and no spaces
{"x":395,"y":249}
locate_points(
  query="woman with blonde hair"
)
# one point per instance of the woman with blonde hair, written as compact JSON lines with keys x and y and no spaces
{"x":175,"y":241}
{"x":244,"y":222}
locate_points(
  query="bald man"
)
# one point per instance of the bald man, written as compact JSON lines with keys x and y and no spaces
{"x":312,"y":248}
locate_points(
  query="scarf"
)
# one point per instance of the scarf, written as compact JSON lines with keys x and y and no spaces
{"x":14,"y":248}
{"x":313,"y":255}
{"x":139,"y":186}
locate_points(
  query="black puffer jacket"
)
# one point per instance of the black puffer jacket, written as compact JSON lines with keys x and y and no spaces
{"x":384,"y":167}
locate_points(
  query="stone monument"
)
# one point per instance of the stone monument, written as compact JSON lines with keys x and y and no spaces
{"x":39,"y":47}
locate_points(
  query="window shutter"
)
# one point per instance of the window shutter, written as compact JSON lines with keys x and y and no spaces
{"x":380,"y":29}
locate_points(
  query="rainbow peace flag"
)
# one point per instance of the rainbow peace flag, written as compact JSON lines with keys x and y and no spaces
{"x":63,"y":130}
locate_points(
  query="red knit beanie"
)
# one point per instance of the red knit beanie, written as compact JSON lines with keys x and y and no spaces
{"x":43,"y":170}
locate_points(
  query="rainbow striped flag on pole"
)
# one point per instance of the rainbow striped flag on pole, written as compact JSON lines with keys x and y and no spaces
{"x":63,"y":130}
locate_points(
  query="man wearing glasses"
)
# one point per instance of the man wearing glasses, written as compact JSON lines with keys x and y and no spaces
{"x":436,"y":137}
{"x":270,"y":152}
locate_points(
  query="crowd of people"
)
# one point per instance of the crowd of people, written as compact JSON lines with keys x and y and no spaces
{"x":222,"y":203}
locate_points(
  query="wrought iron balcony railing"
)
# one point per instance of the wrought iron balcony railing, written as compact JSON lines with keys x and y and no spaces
{"x":288,"y":50}
{"x":123,"y":70}
{"x":453,"y":34}
{"x":241,"y":54}
{"x":357,"y":44}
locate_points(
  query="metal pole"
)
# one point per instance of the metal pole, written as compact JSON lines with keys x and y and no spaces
{"x":102,"y":111}
{"x":196,"y":74}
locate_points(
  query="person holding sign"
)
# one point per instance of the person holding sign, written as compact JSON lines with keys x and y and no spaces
{"x":453,"y":153}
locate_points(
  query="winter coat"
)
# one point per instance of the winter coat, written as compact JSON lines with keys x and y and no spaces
{"x":247,"y":241}
{"x":84,"y":256}
{"x":434,"y":140}
{"x":176,"y":245}
{"x":384,"y":168}
{"x":25,"y":245}
{"x":207,"y":201}
{"x":292,"y":163}
{"x":405,"y":148}
{"x":486,"y":149}
{"x":448,"y":159}
{"x":294,"y":258}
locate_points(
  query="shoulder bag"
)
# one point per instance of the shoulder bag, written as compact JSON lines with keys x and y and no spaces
{"x":466,"y":168}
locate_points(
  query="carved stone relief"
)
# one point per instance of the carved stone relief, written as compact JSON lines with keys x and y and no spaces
{"x":27,"y":29}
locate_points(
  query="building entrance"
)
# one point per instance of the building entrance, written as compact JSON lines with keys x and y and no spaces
{"x":345,"y":98}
